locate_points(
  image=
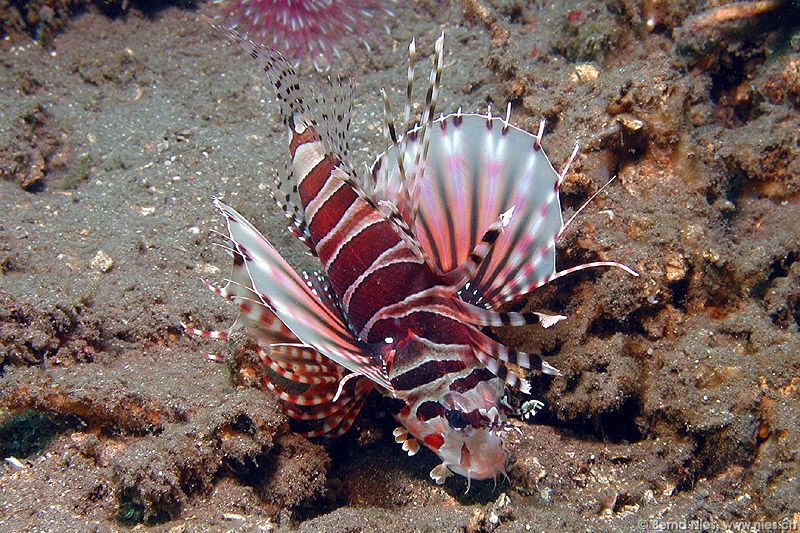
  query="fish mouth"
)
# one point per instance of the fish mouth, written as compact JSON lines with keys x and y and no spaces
{"x":487,"y":472}
{"x":486,"y":457}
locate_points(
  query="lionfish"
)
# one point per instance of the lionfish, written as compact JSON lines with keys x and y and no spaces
{"x":313,"y":29}
{"x":459,"y":215}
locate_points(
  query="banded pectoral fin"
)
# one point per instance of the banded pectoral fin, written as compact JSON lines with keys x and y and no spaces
{"x":495,"y":357}
{"x":329,"y":397}
{"x":275,"y":285}
{"x":439,"y":300}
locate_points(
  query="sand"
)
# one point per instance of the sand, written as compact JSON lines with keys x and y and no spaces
{"x":679,"y":399}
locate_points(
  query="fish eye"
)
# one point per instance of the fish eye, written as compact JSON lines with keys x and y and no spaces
{"x":456,"y":418}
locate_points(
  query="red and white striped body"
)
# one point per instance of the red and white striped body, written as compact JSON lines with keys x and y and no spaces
{"x":461,"y":211}
{"x":375,"y":275}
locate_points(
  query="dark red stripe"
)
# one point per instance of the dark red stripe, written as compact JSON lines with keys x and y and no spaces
{"x":386,"y":287}
{"x":331,"y":212}
{"x":426,"y":373}
{"x":315,"y":180}
{"x":360,"y":211}
{"x":469,"y":382}
{"x":359,"y":254}
{"x":431,"y":326}
{"x":429,"y":409}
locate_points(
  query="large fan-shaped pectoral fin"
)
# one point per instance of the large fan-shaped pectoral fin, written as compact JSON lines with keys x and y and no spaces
{"x":276,"y":285}
{"x":478,"y":167}
{"x":332,"y":397}
{"x":466,"y":270}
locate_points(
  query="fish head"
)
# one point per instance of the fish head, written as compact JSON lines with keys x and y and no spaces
{"x":463,"y":428}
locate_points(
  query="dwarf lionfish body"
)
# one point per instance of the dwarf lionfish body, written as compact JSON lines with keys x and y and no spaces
{"x":459,"y":215}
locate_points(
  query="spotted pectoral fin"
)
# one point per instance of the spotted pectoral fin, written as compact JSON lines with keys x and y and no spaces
{"x":440,"y":473}
{"x":294,"y":104}
{"x":284,"y":193}
{"x":335,"y":110}
{"x":409,"y":444}
{"x":271,"y":283}
{"x":279,"y":72}
{"x":318,"y":282}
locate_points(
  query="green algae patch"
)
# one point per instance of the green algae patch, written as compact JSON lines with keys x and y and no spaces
{"x":78,"y":174}
{"x":29,"y":433}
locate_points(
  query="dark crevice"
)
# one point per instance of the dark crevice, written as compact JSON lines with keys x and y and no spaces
{"x":732,"y":69}
{"x":730,"y":72}
{"x":29,"y":433}
{"x":679,"y":292}
{"x":706,"y":461}
{"x":243,"y":424}
{"x":623,"y":500}
{"x":618,"y":426}
{"x":550,"y":351}
{"x":606,"y":325}
{"x":736,"y":186}
{"x":516,"y":15}
{"x":125,"y":336}
{"x":779,"y":268}
{"x":149,"y":9}
{"x":252,"y":471}
{"x":132,"y":509}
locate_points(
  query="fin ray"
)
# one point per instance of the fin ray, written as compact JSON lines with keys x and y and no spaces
{"x":289,"y":298}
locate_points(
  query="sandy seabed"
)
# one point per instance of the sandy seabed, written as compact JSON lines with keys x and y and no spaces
{"x":679,"y":400}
